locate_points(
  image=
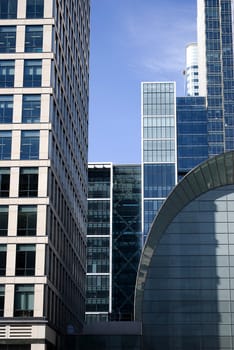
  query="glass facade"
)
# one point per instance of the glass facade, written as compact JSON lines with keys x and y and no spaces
{"x":6,"y":108}
{"x":158,"y":146}
{"x":184,"y":290}
{"x":192,"y":133}
{"x":98,"y":294}
{"x":126,"y":238}
{"x":216,"y":39}
{"x":114,"y":241}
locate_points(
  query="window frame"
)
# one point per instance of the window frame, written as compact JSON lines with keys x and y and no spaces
{"x":24,"y":300}
{"x":7,"y":80}
{"x":7,"y":39}
{"x":4,"y":212}
{"x":28,"y":177}
{"x":11,"y":7}
{"x":32,"y":72}
{"x":5,"y":144}
{"x":4,"y":175}
{"x":31,"y":108}
{"x":27,"y":220}
{"x":25,"y":260}
{"x":6,"y":109}
{"x":30,"y":145}
{"x":35,"y":9}
{"x":33,"y":38}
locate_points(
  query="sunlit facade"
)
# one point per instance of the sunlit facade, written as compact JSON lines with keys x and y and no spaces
{"x":44,"y":72}
{"x":191,"y":71}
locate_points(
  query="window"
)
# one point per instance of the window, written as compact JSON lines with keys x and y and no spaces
{"x":31,"y":108}
{"x":35,"y":9}
{"x":8,"y":9}
{"x":7,"y":39}
{"x":4,"y":182}
{"x":25,"y":260}
{"x":2,"y":297}
{"x":5,"y":145}
{"x":6,"y":108}
{"x":29,"y":145}
{"x":24,"y":300}
{"x":27,"y":220}
{"x":3,"y":220}
{"x":33,"y":38}
{"x":7,"y":71}
{"x":3,"y":259}
{"x":28,"y":182}
{"x":32,"y":73}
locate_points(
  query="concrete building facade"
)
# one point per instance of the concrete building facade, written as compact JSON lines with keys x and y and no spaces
{"x":44,"y":70}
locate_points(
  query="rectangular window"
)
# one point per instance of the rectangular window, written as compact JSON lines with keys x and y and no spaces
{"x":32,"y":73}
{"x":33,"y":38}
{"x":2,"y":297}
{"x":4,"y":182}
{"x":5,"y":145}
{"x":7,"y":73}
{"x":6,"y":108}
{"x":31,"y":109}
{"x":28,"y":182}
{"x":29,"y":144}
{"x":24,"y":300}
{"x":27,"y":220}
{"x":3,"y":220}
{"x":7,"y":39}
{"x":25,"y":260}
{"x":3,"y":249}
{"x":8,"y":9}
{"x":35,"y":9}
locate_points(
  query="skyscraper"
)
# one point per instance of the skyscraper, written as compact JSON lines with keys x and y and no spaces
{"x":44,"y":70}
{"x":192,"y":78}
{"x":159,"y":146}
{"x":216,"y":78}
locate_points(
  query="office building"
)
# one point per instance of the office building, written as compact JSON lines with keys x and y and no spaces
{"x":184,"y":290}
{"x":216,"y":78}
{"x":192,"y":133}
{"x":191,"y":71}
{"x":114,"y":240}
{"x":159,"y":147}
{"x":44,"y":70}
{"x":99,"y":243}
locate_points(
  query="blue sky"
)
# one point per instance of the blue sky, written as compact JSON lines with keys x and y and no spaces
{"x":132,"y":41}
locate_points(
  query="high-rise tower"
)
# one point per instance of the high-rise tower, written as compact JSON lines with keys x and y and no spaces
{"x":216,"y":78}
{"x":44,"y":70}
{"x":159,"y":146}
{"x":192,"y":78}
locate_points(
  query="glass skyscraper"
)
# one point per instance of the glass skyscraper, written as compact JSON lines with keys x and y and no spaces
{"x":44,"y":71}
{"x":159,"y":147}
{"x":216,"y":79}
